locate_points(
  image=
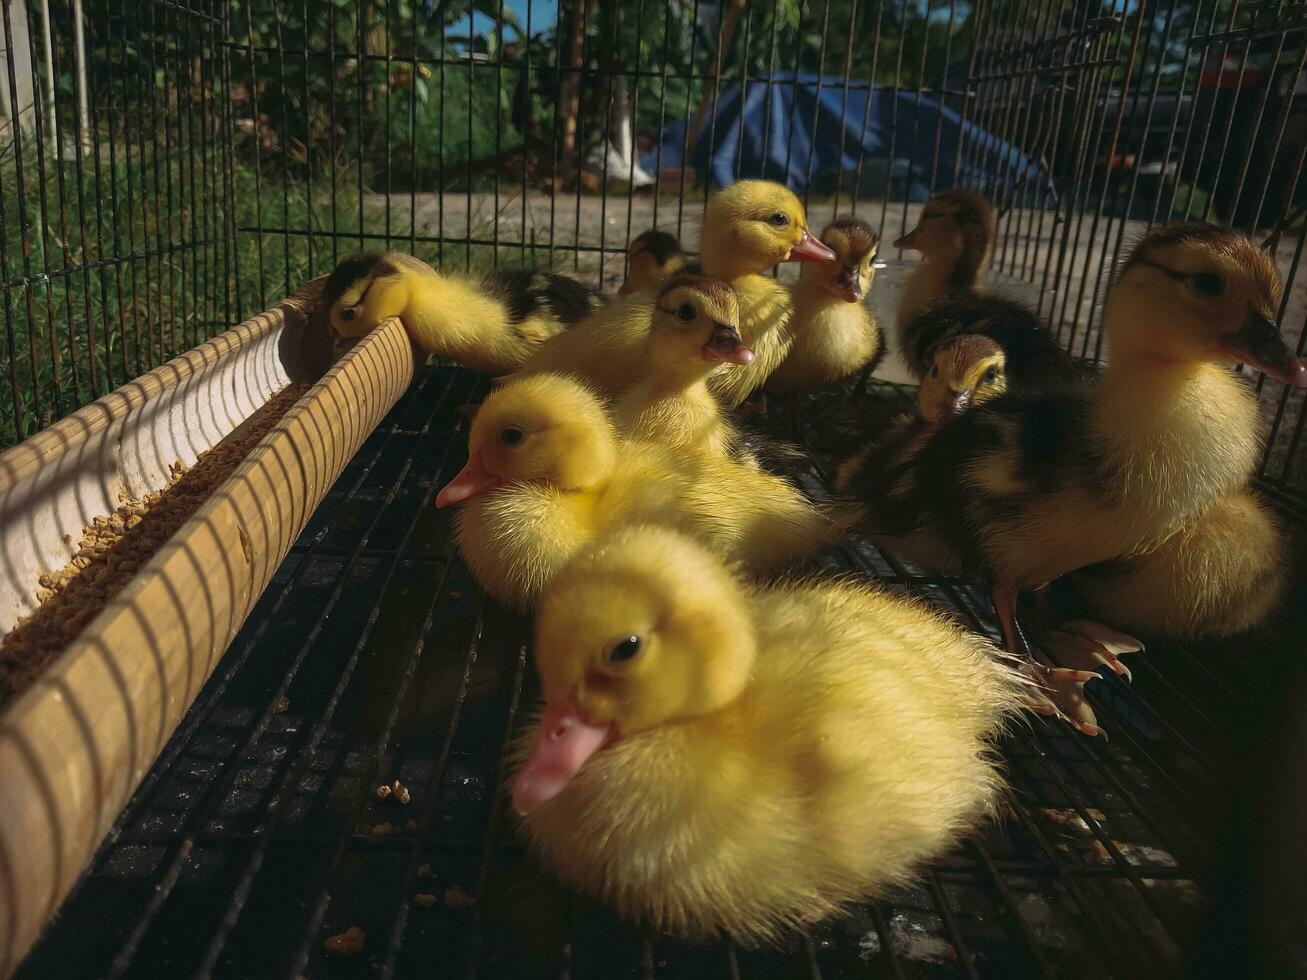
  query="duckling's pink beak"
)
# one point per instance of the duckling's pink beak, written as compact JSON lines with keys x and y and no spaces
{"x":725,"y":345}
{"x":563,"y":743}
{"x":472,"y":479}
{"x":1260,"y":345}
{"x":810,"y":249}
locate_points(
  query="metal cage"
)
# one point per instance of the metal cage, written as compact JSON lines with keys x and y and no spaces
{"x":172,"y":166}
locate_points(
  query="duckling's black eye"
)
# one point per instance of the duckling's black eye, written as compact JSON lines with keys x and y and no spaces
{"x":511,"y":436}
{"x":779,"y":219}
{"x":1208,"y":284}
{"x":686,"y":312}
{"x":991,"y":375}
{"x":349,"y":313}
{"x":624,"y":650}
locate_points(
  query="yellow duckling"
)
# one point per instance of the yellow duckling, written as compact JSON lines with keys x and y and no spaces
{"x":1220,"y":574}
{"x":835,"y":334}
{"x":694,"y":333}
{"x":492,"y":325}
{"x":715,"y":757}
{"x":1030,"y":489}
{"x":547,"y":471}
{"x":653,"y":256}
{"x":955,"y":235}
{"x":747,"y":228}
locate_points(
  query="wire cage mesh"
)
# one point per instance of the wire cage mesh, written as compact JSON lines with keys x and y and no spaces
{"x":172,"y":166}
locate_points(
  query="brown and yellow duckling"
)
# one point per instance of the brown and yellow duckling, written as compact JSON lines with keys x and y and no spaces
{"x":955,"y":235}
{"x":747,"y":228}
{"x":652,"y":257}
{"x":835,"y":334}
{"x":694,"y":334}
{"x":718,"y":757}
{"x":945,"y":297}
{"x":547,"y":470}
{"x":1027,"y":489}
{"x":492,"y":324}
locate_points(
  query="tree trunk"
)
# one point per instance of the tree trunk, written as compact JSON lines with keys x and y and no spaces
{"x":724,"y":35}
{"x":569,"y":96}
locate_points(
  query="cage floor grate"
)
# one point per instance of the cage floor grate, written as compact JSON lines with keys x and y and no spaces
{"x":373,"y":656}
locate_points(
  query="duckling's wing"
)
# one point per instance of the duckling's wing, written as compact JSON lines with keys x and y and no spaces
{"x":528,"y":295}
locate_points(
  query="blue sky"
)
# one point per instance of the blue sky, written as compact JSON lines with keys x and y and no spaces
{"x":543,"y":15}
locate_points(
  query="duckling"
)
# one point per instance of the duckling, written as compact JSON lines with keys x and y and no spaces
{"x":1219,"y":574}
{"x":1027,"y":489}
{"x":693,"y":334}
{"x":747,"y":228}
{"x":653,"y":256}
{"x":715,"y":757}
{"x":967,"y":371}
{"x":547,"y":471}
{"x":955,"y":235}
{"x":491,"y":325}
{"x":835,"y":334}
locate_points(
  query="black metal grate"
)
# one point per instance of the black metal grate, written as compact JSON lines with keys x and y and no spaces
{"x":250,"y":842}
{"x":178,"y":165}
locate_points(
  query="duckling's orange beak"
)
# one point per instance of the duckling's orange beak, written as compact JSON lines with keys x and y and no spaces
{"x":472,"y":479}
{"x":725,"y":345}
{"x":1259,"y":344}
{"x":810,"y":249}
{"x":563,"y":743}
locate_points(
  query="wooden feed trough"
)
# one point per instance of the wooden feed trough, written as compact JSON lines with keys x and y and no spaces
{"x":75,"y":744}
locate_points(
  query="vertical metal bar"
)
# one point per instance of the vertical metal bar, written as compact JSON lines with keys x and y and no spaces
{"x":102,"y":276}
{"x":388,"y":28}
{"x":980,"y":20}
{"x":795,"y":88}
{"x":1211,"y":116}
{"x":767,"y":98}
{"x":844,"y":106}
{"x":332,"y":153}
{"x":361,"y":61}
{"x":499,"y":125}
{"x":894,"y":131}
{"x":65,"y":274}
{"x":941,"y":96}
{"x":414,"y":67}
{"x":114,"y":212}
{"x":685,"y":122}
{"x":284,"y":142}
{"x":816,"y":109}
{"x":20,"y":193}
{"x":440,"y":149}
{"x":606,"y":61}
{"x":578,"y":143}
{"x":471,"y":114}
{"x":662,"y":113}
{"x":525,"y":81}
{"x":866,"y":110}
{"x":307,"y":109}
{"x":555,"y":176}
{"x":257,"y":136}
{"x":638,"y":81}
{"x":234,"y":296}
{"x":744,"y":90}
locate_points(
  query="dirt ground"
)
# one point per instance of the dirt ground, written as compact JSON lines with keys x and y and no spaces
{"x":582,"y":228}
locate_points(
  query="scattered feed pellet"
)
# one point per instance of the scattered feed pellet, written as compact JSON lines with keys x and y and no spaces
{"x":347,"y":943}
{"x":424,"y":899}
{"x":383,"y":829}
{"x":115,"y":547}
{"x":400,"y":793}
{"x":424,"y":871}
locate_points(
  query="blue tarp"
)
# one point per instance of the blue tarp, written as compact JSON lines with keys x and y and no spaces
{"x":790,"y":128}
